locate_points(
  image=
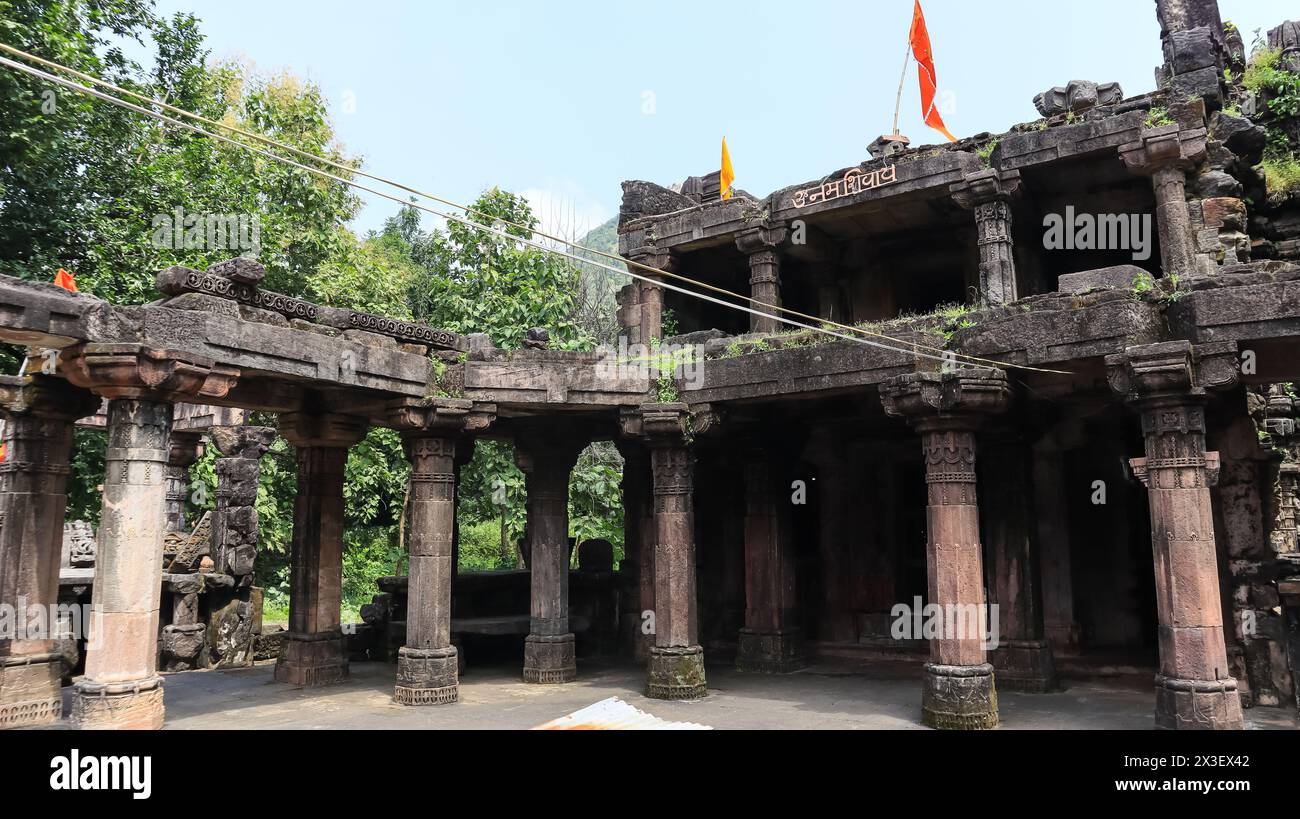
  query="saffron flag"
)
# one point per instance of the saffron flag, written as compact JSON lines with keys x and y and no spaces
{"x":64,"y":279}
{"x":920,"y":39}
{"x":728,"y":175}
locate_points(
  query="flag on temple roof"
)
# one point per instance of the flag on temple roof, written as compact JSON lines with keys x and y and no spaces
{"x":64,"y":279}
{"x":727,"y":175}
{"x":920,"y":39}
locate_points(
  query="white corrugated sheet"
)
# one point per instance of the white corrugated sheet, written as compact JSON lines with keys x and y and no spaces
{"x":615,"y":715}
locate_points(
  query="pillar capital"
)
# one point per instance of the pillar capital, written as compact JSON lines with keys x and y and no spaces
{"x":983,"y":186}
{"x":956,"y":399}
{"x":1172,"y":369}
{"x":662,"y":425}
{"x":650,"y":255}
{"x":325,"y":430}
{"x":762,"y":239}
{"x":417,"y":417}
{"x":1164,"y":148}
{"x":42,"y":396}
{"x":146,"y":373}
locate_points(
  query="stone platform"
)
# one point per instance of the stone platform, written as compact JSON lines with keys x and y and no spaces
{"x":878,"y":696}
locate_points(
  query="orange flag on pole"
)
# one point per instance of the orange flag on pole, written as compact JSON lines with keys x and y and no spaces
{"x":64,"y":279}
{"x":920,"y":39}
{"x":727,"y":176}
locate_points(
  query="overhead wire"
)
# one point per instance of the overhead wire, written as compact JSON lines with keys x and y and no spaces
{"x":912,"y":348}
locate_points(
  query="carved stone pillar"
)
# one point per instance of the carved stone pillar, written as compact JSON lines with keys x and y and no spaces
{"x":1165,"y":154}
{"x":427,"y":672}
{"x":637,"y":568}
{"x":988,"y":193}
{"x":650,"y":296}
{"x":946,"y":408}
{"x":546,"y":457}
{"x":676,"y":665}
{"x":760,"y":245}
{"x":770,"y":642}
{"x":1167,"y":384}
{"x":121,"y":688}
{"x":1023,"y":658}
{"x":1052,"y":508}
{"x":39,"y":413}
{"x":185,"y":448}
{"x":314,"y":651}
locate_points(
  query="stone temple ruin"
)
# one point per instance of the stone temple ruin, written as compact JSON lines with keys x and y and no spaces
{"x":1114,"y":462}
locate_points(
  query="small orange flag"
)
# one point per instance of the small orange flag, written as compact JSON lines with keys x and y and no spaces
{"x":727,"y":176}
{"x":64,"y":279}
{"x":920,"y":39}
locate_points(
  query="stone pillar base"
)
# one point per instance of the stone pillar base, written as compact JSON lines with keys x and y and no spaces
{"x":960,"y":697}
{"x":676,"y":673}
{"x":549,"y":659}
{"x":126,"y":706}
{"x":427,"y":676}
{"x":312,"y":659}
{"x":770,"y":652}
{"x":30,"y":690}
{"x":1197,"y":704}
{"x":1025,"y":665}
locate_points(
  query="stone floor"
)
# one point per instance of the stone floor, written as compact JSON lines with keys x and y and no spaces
{"x":884,"y":695}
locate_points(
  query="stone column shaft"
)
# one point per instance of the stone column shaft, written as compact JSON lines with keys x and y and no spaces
{"x":988,"y":194}
{"x":1172,"y":219}
{"x":676,"y":663}
{"x":549,"y":649}
{"x":1060,"y":627}
{"x":427,"y":664}
{"x":40,"y":413}
{"x":1023,"y":657}
{"x":314,"y":650}
{"x":122,"y":688}
{"x":1194,"y":688}
{"x":764,"y":290}
{"x":184,"y":450}
{"x":770,"y":641}
{"x":946,"y":408}
{"x":1165,"y":154}
{"x":760,"y":245}
{"x":1167,"y":383}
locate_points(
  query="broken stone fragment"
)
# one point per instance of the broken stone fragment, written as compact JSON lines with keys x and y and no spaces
{"x":1077,"y":95}
{"x":242,"y":441}
{"x":240,"y":269}
{"x":537,"y":338}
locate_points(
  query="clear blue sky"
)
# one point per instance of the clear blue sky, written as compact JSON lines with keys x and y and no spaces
{"x":562,"y":99}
